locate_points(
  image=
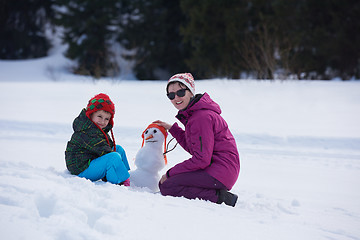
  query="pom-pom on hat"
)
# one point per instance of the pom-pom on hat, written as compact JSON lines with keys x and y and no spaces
{"x":185,"y":78}
{"x":163,"y":131}
{"x":101,"y":102}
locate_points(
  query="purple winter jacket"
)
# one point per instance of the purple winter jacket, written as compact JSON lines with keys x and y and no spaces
{"x":208,"y":139}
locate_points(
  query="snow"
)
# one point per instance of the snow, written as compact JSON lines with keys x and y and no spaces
{"x":299,"y":144}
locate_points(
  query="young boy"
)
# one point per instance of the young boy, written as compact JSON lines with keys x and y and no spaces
{"x":91,"y":153}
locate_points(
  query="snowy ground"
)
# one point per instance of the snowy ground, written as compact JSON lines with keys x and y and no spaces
{"x":300,"y":160}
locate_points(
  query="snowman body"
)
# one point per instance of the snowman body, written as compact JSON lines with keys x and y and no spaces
{"x":149,"y":161}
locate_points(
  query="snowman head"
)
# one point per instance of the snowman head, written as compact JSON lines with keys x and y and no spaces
{"x":155,"y":134}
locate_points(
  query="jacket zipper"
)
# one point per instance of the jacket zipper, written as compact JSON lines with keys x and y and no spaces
{"x":200,"y":143}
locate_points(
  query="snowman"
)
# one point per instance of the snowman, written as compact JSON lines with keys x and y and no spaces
{"x":150,"y":159}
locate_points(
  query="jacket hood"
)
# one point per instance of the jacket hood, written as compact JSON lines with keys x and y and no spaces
{"x":199,"y":102}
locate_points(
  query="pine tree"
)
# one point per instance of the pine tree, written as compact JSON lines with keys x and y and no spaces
{"x":323,"y":36}
{"x":310,"y":38}
{"x":88,"y":30}
{"x":214,"y":29}
{"x":22,"y":27}
{"x":152,"y":29}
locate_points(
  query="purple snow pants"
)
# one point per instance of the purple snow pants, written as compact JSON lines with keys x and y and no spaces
{"x":191,"y":185}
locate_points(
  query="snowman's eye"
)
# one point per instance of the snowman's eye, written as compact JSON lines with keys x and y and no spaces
{"x":155,"y":131}
{"x":146,"y":131}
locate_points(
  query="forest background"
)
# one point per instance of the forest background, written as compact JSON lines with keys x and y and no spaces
{"x":261,"y":39}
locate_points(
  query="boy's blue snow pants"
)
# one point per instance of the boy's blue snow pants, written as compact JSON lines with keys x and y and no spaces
{"x":114,"y":166}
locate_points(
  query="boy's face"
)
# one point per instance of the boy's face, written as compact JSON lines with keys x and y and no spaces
{"x":101,"y":118}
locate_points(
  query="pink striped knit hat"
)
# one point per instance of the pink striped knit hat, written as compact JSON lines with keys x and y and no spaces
{"x":186,"y":78}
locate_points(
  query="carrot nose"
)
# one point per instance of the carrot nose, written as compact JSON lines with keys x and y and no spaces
{"x":149,"y":137}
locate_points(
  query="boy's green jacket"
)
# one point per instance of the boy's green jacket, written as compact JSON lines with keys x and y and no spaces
{"x":87,"y":143}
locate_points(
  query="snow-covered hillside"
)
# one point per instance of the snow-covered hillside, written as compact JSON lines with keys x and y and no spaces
{"x":300,"y":160}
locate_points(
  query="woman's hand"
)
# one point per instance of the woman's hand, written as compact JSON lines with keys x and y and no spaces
{"x":163,"y":178}
{"x":167,"y":126}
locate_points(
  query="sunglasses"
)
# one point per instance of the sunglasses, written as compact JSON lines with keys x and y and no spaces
{"x":179,"y":93}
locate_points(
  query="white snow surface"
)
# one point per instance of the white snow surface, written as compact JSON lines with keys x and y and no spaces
{"x":299,"y":144}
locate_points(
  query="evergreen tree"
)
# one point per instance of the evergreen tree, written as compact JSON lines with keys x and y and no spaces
{"x":214,"y":29}
{"x":323,"y":37}
{"x":22,"y":27}
{"x":346,"y":26}
{"x":88,"y":29}
{"x":310,"y":38}
{"x":152,"y":28}
{"x":260,"y":43}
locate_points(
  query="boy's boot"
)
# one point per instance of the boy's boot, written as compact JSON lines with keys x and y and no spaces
{"x":125,"y":183}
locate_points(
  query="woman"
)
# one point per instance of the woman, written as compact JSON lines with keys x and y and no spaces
{"x":214,"y":166}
